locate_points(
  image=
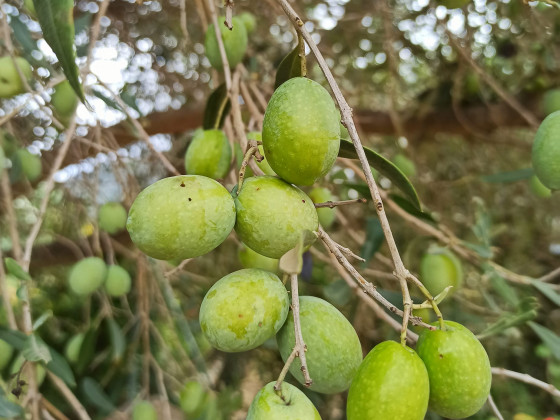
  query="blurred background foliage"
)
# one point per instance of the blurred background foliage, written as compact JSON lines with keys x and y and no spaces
{"x":430,"y":83}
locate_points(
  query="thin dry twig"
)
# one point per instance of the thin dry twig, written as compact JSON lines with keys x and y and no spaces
{"x":333,"y":204}
{"x":69,"y":396}
{"x":494,"y":408}
{"x":300,"y":348}
{"x":218,"y":32}
{"x":528,"y":379}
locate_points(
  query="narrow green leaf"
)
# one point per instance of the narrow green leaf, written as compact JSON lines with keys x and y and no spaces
{"x":546,"y":290}
{"x":217,"y":108}
{"x":36,"y":350}
{"x":501,"y":286}
{"x":118,"y":342}
{"x":510,"y":176}
{"x":10,"y":410}
{"x":548,"y":337}
{"x":87,"y":350}
{"x":42,"y":319}
{"x":374,"y":239}
{"x":23,"y":35}
{"x":108,"y":101}
{"x":338,"y":293}
{"x":289,"y":67}
{"x":15,"y":269}
{"x":385,"y":168}
{"x":508,"y":321}
{"x":60,"y":367}
{"x":96,"y":395}
{"x":57,"y":22}
{"x":16,"y":339}
{"x":407,"y":206}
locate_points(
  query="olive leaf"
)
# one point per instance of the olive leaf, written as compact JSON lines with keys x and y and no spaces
{"x":290,"y":66}
{"x":217,"y":108}
{"x":510,"y":176}
{"x":385,"y":168}
{"x":57,"y":23}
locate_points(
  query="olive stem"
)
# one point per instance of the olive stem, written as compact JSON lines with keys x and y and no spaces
{"x":494,"y":408}
{"x":300,"y":348}
{"x":252,"y":149}
{"x":346,"y":112}
{"x":289,"y":361}
{"x":221,"y":47}
{"x":301,"y":54}
{"x":333,"y":204}
{"x":366,"y":286}
{"x":528,"y":379}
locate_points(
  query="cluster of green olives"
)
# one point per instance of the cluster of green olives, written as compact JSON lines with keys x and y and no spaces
{"x":89,"y":274}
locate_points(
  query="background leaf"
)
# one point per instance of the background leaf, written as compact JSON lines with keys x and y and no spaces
{"x":385,"y":168}
{"x":374,"y":239}
{"x":548,"y":337}
{"x":36,"y":350}
{"x":289,"y":67}
{"x":57,"y":22}
{"x":95,"y":394}
{"x":510,"y":176}
{"x":15,"y":269}
{"x":60,"y":367}
{"x":217,"y":108}
{"x":10,"y":410}
{"x":546,"y":290}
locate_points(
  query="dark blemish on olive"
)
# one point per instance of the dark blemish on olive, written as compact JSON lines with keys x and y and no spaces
{"x":190,"y":199}
{"x":182,"y":184}
{"x":260,"y":324}
{"x":240,"y":315}
{"x":258,"y":188}
{"x":303,"y":201}
{"x":441,"y":356}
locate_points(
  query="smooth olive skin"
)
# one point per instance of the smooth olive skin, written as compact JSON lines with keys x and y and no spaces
{"x":144,"y":410}
{"x":235,"y":43}
{"x":118,"y":281}
{"x":459,"y":370}
{"x":87,"y":275}
{"x":301,"y":131}
{"x":546,"y":152}
{"x":333,"y":347}
{"x":391,"y":383}
{"x":243,"y":310}
{"x":73,"y":347}
{"x":181,"y":217}
{"x":209,"y":154}
{"x":268,"y":405}
{"x":538,"y":188}
{"x":251,"y":259}
{"x":440,"y":269}
{"x":551,"y":101}
{"x":10,"y":82}
{"x":272,"y":214}
{"x":112,"y":217}
{"x":6,"y":352}
{"x":31,"y":164}
{"x":326,"y":215}
{"x":64,"y":101}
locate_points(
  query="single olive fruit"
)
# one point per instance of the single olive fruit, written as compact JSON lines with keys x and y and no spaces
{"x":87,"y":275}
{"x":391,"y":383}
{"x":291,"y":404}
{"x":6,"y":352}
{"x":326,"y":215}
{"x":10,"y":82}
{"x":406,"y":166}
{"x":538,"y":188}
{"x":243,"y":310}
{"x":235,"y":43}
{"x":64,"y":101}
{"x":73,"y":347}
{"x":181,"y":217}
{"x":144,"y":410}
{"x":29,"y":163}
{"x":193,"y":398}
{"x":301,"y":131}
{"x":26,"y":372}
{"x":272,"y":215}
{"x":440,"y":268}
{"x":209,"y":154}
{"x":112,"y":217}
{"x":251,"y":259}
{"x":551,"y":101}
{"x":546,"y":151}
{"x":333,"y":352}
{"x":118,"y":281}
{"x":459,"y":370}
{"x":249,"y":20}
{"x":263,"y":164}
